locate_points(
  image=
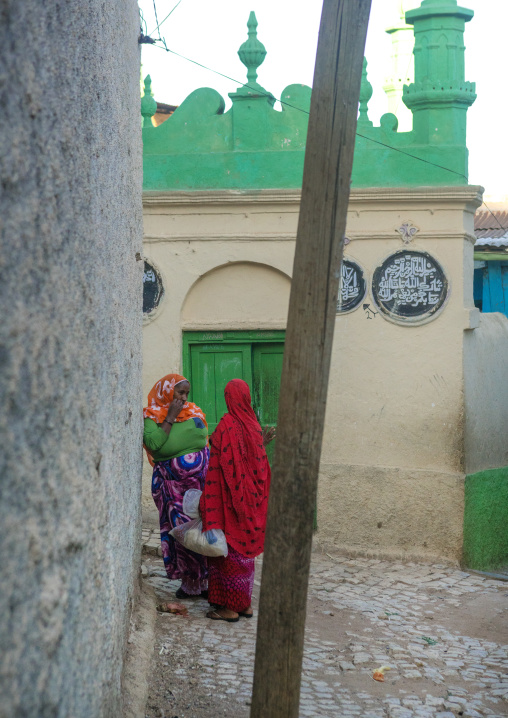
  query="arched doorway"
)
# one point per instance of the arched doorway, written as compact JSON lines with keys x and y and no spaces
{"x":235,"y":305}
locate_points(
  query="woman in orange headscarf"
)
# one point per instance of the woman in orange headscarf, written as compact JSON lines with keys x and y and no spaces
{"x":175,"y":437}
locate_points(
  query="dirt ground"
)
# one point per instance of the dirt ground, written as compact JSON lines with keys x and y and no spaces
{"x":448,"y":660}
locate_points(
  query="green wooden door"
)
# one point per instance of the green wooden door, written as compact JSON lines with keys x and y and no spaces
{"x":267,"y":370}
{"x":212,"y":359}
{"x":212,"y":366}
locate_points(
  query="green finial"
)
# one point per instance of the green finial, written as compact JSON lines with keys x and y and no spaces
{"x":252,"y":52}
{"x":148,"y":104}
{"x":438,"y":2}
{"x":365,"y":95}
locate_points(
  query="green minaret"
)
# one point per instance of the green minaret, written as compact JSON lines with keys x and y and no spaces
{"x":401,"y":69}
{"x":440,"y":96}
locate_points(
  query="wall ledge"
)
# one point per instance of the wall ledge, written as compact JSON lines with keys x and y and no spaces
{"x":469,"y":194}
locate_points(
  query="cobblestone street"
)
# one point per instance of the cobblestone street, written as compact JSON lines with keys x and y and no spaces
{"x":442,"y":632}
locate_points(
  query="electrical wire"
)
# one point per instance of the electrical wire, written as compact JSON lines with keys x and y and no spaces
{"x":294,"y":107}
{"x":238,"y":82}
{"x":415,"y":157}
{"x":306,"y":112}
{"x":162,"y":23}
{"x":142,"y":21}
{"x":156,"y":20}
{"x":492,"y":213}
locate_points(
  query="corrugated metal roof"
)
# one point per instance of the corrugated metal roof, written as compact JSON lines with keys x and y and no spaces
{"x":492,"y":241}
{"x":484,"y":219}
{"x":491,"y":227}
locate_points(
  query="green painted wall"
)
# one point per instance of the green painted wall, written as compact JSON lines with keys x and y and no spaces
{"x":254,"y":146}
{"x":486,"y":520}
{"x":251,"y":146}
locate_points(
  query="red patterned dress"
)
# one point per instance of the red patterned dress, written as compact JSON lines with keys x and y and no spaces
{"x":235,"y":499}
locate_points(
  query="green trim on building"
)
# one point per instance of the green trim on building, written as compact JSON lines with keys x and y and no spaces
{"x":491,"y":257}
{"x":255,"y":146}
{"x":486,"y":520}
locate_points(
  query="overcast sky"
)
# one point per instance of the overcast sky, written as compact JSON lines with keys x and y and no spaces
{"x":211,"y":33}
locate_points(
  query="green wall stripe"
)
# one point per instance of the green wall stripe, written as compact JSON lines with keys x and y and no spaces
{"x":486,"y":520}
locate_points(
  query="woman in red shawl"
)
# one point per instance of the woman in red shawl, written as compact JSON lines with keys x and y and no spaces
{"x":235,"y":499}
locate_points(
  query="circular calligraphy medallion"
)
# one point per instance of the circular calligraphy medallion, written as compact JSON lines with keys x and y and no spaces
{"x":152,"y":289}
{"x":352,"y":287}
{"x":409,"y":287}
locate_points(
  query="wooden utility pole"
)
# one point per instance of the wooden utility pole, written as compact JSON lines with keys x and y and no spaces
{"x":309,"y":337}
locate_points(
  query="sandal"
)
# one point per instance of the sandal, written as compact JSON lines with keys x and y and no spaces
{"x":246,"y":615}
{"x":215,"y":616}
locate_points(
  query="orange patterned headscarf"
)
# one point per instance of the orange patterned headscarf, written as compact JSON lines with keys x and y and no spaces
{"x":161,"y":396}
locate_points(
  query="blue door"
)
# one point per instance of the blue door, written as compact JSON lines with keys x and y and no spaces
{"x":491,"y":287}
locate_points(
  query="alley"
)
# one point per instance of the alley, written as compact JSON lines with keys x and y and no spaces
{"x":442,"y":632}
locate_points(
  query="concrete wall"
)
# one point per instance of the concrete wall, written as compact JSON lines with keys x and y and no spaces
{"x":225,"y":259}
{"x":486,"y":444}
{"x":486,"y":394}
{"x":70,"y":339}
{"x":236,"y":295}
{"x":393,"y":460}
{"x":188,"y":235}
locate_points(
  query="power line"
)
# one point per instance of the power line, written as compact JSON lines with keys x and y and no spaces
{"x":415,"y":157}
{"x":162,"y":23}
{"x":492,"y":213}
{"x":156,"y":19}
{"x":306,"y":112}
{"x":238,"y":82}
{"x":142,"y":21}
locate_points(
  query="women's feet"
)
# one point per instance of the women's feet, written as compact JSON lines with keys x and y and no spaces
{"x":248,"y":613}
{"x":223,"y":614}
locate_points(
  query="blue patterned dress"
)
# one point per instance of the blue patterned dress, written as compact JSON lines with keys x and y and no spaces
{"x":170,"y":480}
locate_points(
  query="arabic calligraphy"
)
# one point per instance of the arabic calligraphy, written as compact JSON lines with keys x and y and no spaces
{"x":352,"y":286}
{"x":152,"y":289}
{"x":409,"y":285}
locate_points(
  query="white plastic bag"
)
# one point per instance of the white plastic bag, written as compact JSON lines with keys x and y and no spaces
{"x":207,"y":543}
{"x":190,"y":504}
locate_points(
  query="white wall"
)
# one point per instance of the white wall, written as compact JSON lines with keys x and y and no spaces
{"x":486,"y":394}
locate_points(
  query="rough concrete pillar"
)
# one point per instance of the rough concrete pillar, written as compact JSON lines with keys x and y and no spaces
{"x":70,"y":336}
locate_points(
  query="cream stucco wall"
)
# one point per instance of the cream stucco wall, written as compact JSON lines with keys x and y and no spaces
{"x":236,"y":295}
{"x":225,"y":259}
{"x":393,"y":456}
{"x":393,"y":459}
{"x":188,"y":235}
